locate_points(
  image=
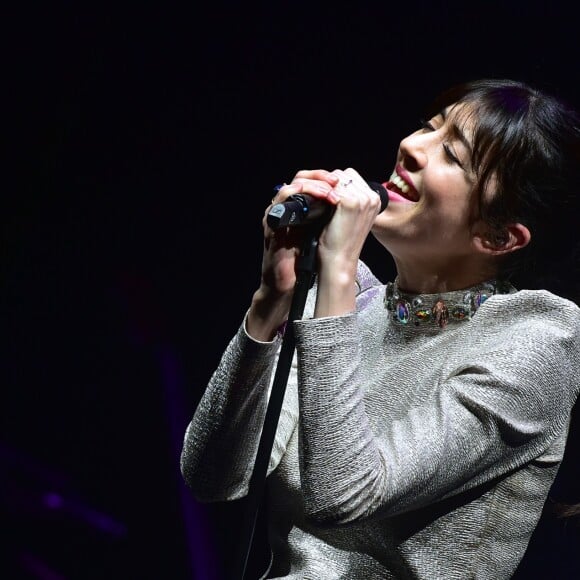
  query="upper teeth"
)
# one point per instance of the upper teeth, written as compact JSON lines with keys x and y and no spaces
{"x":399,"y":183}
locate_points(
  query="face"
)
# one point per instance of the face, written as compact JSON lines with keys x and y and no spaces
{"x":431,"y":207}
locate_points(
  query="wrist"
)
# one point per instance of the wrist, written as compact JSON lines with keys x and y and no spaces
{"x":268,"y":314}
{"x":336,"y":294}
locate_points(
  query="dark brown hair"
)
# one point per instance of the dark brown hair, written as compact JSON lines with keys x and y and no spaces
{"x":526,"y":149}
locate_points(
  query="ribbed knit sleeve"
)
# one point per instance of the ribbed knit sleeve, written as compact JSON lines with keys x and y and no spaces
{"x":496,"y":403}
{"x":221,"y":441}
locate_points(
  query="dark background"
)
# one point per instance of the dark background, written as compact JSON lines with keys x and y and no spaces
{"x":142,"y":144}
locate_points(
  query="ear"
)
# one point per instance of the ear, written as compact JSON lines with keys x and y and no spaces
{"x":495,"y":243}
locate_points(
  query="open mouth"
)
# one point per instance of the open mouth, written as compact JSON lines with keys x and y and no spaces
{"x":397,"y":185}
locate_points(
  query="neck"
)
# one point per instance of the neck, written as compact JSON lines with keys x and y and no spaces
{"x":424,"y":279}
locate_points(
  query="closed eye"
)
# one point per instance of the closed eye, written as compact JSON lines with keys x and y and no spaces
{"x":451,"y":156}
{"x":428,"y":126}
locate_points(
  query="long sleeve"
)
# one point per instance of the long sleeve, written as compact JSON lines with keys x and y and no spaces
{"x":221,"y":441}
{"x":401,"y":451}
{"x":499,"y":404}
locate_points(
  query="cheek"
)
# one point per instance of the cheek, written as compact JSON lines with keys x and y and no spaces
{"x":445,"y":190}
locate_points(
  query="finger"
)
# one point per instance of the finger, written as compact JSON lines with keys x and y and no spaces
{"x":284,"y":190}
{"x":353,"y":184}
{"x":313,"y":187}
{"x":319,"y":175}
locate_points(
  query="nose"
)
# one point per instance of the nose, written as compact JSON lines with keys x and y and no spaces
{"x":414,"y":151}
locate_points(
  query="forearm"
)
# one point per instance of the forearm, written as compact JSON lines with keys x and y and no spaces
{"x":386,"y":431}
{"x":336,"y":288}
{"x":267,"y":314}
{"x":340,"y":461}
{"x":221,"y":441}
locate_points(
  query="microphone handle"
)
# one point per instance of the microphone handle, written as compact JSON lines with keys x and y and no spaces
{"x":301,"y":209}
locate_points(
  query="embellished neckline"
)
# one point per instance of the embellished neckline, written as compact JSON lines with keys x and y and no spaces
{"x":437,"y":310}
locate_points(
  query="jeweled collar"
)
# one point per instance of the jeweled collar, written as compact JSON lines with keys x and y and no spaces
{"x":440,"y":309}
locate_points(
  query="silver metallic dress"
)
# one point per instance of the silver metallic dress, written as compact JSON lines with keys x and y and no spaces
{"x":403,"y":450}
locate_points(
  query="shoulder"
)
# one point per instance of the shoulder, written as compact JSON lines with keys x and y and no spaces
{"x":365,"y":278}
{"x":533,"y":334}
{"x":532,"y":307}
{"x":535,"y":319}
{"x":369,"y":289}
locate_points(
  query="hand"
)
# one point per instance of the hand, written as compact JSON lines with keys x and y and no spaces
{"x":342,"y":241}
{"x":271,"y":302}
{"x":282,"y":245}
{"x":357,"y":208}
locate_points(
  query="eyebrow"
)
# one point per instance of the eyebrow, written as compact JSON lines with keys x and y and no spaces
{"x":457,"y":132}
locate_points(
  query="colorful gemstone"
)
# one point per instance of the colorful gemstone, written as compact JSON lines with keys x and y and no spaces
{"x":423,"y":315}
{"x":480,"y":298}
{"x":441,"y":313}
{"x":403,"y":311}
{"x":459,"y":312}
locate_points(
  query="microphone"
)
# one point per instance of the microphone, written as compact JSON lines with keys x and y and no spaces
{"x":301,"y":209}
